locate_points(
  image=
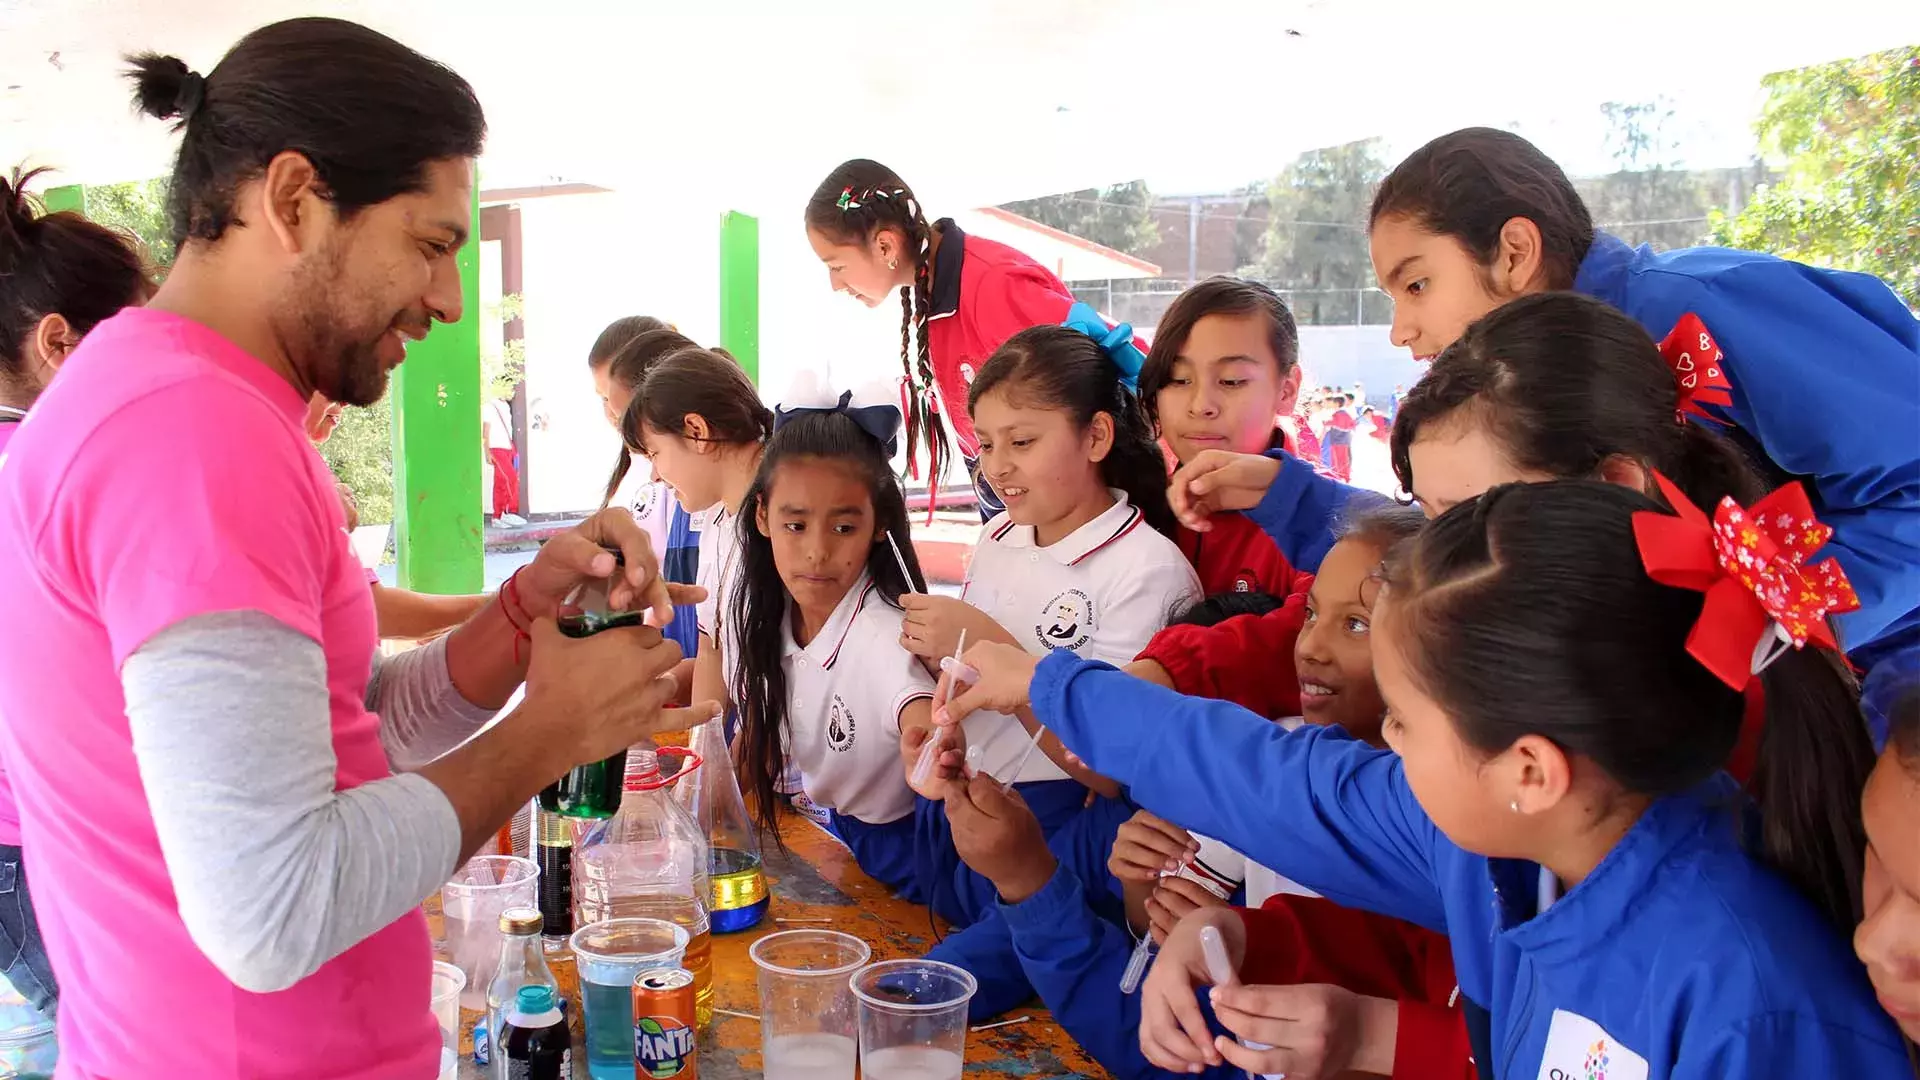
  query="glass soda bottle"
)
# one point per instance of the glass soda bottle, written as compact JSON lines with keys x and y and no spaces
{"x":711,"y":794}
{"x":523,"y":963}
{"x":591,"y":790}
{"x":650,"y":861}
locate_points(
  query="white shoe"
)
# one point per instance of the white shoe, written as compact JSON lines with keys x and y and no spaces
{"x":510,"y":521}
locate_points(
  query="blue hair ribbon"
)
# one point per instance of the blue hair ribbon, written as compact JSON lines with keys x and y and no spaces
{"x":1116,"y":341}
{"x":880,"y":421}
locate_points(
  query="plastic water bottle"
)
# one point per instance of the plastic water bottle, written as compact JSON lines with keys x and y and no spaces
{"x":650,"y":861}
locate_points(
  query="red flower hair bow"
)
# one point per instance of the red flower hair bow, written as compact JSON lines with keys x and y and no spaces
{"x":1698,"y":373}
{"x":1762,"y":595}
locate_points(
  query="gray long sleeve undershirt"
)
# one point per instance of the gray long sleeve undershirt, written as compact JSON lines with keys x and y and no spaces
{"x":274,"y":870}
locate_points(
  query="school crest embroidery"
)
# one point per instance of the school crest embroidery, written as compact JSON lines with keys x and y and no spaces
{"x":839,"y":726}
{"x":1067,"y":622}
{"x":643,"y":500}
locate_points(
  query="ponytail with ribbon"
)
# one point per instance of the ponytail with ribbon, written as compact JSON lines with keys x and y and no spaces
{"x":1699,"y":375}
{"x":1116,"y":340}
{"x":1762,"y":596}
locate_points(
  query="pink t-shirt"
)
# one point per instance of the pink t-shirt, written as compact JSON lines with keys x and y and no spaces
{"x":166,"y":475}
{"x":9,"y":813}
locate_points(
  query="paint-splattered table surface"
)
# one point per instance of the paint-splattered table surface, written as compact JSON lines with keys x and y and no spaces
{"x":817,"y":879}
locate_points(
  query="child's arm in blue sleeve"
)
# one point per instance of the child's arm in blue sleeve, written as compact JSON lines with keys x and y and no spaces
{"x":1327,"y":811}
{"x":1301,"y":508}
{"x":1074,"y":959}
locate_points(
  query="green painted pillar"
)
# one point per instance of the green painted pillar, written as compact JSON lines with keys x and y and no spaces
{"x":436,"y":445}
{"x":740,"y":290}
{"x":71,"y":197}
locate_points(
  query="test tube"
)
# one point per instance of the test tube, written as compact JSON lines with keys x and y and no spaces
{"x":1213,"y":948}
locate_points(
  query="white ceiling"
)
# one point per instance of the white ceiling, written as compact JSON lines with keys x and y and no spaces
{"x":748,"y":102}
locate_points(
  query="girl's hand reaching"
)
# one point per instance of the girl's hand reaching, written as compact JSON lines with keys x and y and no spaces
{"x":1003,"y":673}
{"x":949,"y":762}
{"x":1217,"y":480}
{"x":1308,"y":1032}
{"x":1146,"y":847}
{"x":1173,"y":1031}
{"x":931,"y":625}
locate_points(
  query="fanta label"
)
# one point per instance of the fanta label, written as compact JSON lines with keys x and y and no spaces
{"x":662,"y":1046}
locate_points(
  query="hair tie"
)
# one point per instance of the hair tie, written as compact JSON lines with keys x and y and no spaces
{"x":1115,"y":340}
{"x":880,"y":420}
{"x":1698,"y":372}
{"x":193,"y":93}
{"x":1762,"y":597}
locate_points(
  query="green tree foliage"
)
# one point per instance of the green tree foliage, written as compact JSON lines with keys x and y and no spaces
{"x":1847,"y":135}
{"x":139,"y":208}
{"x":1316,"y":240}
{"x":1119,"y":217}
{"x":361,"y":455}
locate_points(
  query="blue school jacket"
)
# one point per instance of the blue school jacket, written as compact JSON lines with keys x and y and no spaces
{"x":1679,"y":957}
{"x":1825,"y":367}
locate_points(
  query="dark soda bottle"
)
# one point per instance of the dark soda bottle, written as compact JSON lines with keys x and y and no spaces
{"x":591,"y":790}
{"x":534,"y":1038}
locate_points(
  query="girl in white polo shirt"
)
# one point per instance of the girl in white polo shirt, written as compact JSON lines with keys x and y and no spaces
{"x":1080,"y":560}
{"x":821,"y":684}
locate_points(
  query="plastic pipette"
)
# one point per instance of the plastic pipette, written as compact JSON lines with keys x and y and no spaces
{"x":905,"y":574}
{"x":923,"y":765}
{"x":1137,"y":964}
{"x":1213,"y":949}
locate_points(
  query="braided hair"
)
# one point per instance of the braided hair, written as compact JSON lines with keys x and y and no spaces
{"x":851,"y":206}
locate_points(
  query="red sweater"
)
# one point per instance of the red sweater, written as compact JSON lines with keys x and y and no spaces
{"x":984,"y":292}
{"x":1238,"y":556}
{"x":1247,"y":659}
{"x":1293,"y":940}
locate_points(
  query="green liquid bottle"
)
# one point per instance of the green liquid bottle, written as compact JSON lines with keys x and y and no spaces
{"x":591,"y":790}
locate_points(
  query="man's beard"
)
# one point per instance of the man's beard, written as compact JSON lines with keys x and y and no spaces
{"x":337,"y":351}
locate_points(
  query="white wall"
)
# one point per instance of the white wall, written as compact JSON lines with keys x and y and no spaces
{"x":590,"y":259}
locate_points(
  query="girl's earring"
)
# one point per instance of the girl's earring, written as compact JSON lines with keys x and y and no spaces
{"x":1515,"y":806}
{"x":893,"y":264}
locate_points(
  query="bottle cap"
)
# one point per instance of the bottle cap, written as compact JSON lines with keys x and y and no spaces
{"x":534,"y":999}
{"x":521,"y":920}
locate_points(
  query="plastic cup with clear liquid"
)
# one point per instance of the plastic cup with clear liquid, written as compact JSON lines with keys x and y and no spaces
{"x":913,"y":1019}
{"x":470,"y":907}
{"x":808,"y":1020}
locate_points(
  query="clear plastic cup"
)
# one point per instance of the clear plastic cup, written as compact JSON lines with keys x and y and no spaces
{"x":448,"y":982}
{"x":913,"y":1019}
{"x":807,"y":1018}
{"x":470,"y":907}
{"x":608,"y":955}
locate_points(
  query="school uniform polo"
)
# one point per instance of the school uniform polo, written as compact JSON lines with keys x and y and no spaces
{"x":845,"y":691}
{"x":719,"y":574}
{"x":1100,"y":592}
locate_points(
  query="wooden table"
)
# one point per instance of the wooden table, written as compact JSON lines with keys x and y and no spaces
{"x":817,"y":879}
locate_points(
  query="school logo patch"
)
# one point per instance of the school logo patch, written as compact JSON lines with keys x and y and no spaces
{"x":1579,"y":1049}
{"x":839,"y":726}
{"x":1067,"y":622}
{"x":643,"y":500}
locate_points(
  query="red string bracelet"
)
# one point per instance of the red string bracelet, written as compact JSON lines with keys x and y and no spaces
{"x":519,"y":632}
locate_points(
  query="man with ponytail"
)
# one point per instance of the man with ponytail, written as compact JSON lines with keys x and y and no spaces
{"x":229,"y":803}
{"x":961,"y":298}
